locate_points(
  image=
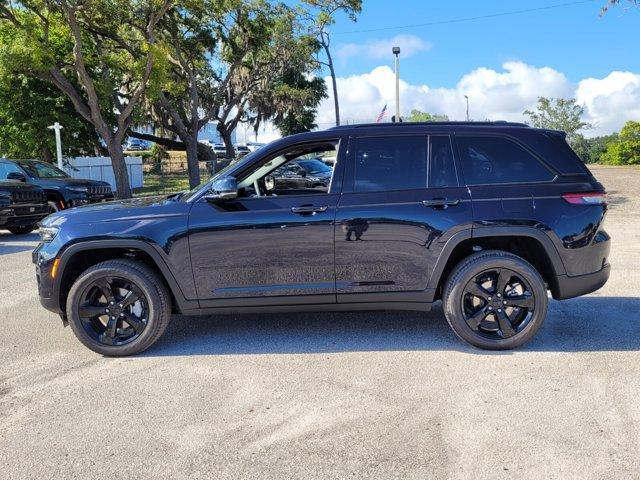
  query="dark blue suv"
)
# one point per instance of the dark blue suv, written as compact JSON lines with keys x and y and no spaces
{"x":487,"y":217}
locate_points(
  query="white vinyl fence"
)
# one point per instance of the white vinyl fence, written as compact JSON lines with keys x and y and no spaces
{"x":100,"y":168}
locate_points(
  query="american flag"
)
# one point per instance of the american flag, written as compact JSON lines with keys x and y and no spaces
{"x":382,"y":114}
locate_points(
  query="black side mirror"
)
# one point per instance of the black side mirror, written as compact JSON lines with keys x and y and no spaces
{"x":20,"y":177}
{"x":225,"y":188}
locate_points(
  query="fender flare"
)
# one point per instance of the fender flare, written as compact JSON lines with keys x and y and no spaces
{"x":506,"y":231}
{"x":182,"y":303}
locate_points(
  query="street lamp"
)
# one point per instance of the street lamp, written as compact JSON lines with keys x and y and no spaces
{"x":396,"y":52}
{"x":57,"y":127}
{"x":467,"y":98}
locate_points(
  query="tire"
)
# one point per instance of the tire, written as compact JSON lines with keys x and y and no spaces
{"x":486,"y":270}
{"x":154,"y":305}
{"x":23,"y":230}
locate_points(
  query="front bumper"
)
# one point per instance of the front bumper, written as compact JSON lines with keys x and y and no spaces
{"x":19,"y":215}
{"x":46,"y":284}
{"x":570,"y":287}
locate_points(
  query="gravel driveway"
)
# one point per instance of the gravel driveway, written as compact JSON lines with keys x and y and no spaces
{"x":336,"y":395}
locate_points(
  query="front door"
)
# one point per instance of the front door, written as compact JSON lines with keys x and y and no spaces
{"x":274,"y":244}
{"x":401,"y":203}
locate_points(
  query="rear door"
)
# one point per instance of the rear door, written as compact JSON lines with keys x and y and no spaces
{"x":401,"y":203}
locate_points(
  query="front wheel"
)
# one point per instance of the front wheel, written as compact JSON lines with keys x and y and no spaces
{"x":118,"y":307}
{"x":495,"y":300}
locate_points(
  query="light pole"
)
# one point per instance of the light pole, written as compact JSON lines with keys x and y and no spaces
{"x":57,"y":127}
{"x":396,"y":52}
{"x":467,"y":98}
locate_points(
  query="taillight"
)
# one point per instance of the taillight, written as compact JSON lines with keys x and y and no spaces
{"x":586,"y":198}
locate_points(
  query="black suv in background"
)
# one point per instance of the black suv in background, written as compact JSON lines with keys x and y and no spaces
{"x":21,"y":206}
{"x":487,"y":217}
{"x":62,"y":191}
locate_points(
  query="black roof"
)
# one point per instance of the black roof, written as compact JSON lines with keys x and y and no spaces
{"x":497,"y":123}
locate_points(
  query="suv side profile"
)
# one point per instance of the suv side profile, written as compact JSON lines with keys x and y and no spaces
{"x":487,"y":217}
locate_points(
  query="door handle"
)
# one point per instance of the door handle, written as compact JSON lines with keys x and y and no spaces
{"x":308,"y":209}
{"x":440,"y":202}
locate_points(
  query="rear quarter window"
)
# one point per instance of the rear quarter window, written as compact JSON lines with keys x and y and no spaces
{"x":497,"y":160}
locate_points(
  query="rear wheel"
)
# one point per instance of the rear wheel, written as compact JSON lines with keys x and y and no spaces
{"x":22,"y":230}
{"x":495,"y":300}
{"x":118,"y":307}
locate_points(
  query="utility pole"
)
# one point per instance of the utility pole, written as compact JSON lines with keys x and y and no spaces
{"x":57,"y":127}
{"x":467,"y":98}
{"x":396,"y":52}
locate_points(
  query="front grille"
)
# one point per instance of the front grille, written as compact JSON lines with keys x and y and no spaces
{"x":99,"y":190}
{"x":27,"y":196}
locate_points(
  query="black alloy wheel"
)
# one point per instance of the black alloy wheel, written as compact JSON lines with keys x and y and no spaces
{"x":495,"y":300}
{"x":119,"y":307}
{"x":498,"y":303}
{"x":113,"y":311}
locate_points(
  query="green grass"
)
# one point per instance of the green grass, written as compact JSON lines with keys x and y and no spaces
{"x":162,"y":184}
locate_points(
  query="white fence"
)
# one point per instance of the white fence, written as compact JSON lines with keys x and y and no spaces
{"x":100,"y":168}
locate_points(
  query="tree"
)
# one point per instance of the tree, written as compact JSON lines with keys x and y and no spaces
{"x":231,"y":62}
{"x":626,"y":149}
{"x":321,"y":18}
{"x":615,"y":3}
{"x":558,"y":114}
{"x":590,"y":150}
{"x":24,"y":134}
{"x":419,"y":116}
{"x":111,"y":58}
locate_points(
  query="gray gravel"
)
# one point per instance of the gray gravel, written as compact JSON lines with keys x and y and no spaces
{"x":380,"y":395}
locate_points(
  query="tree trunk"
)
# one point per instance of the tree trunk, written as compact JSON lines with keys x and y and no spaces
{"x":225,"y":133}
{"x":192,"y":163}
{"x":334,"y":84}
{"x":119,"y":168}
{"x":47,"y":156}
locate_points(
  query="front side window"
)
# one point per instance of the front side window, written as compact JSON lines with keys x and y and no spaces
{"x":494,"y":160}
{"x":390,"y":163}
{"x":6,"y":168}
{"x":300,"y":170}
{"x":43,"y":170}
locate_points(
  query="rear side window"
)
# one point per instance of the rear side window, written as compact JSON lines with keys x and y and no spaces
{"x":442,"y":170}
{"x":494,"y":160}
{"x":390,"y":163}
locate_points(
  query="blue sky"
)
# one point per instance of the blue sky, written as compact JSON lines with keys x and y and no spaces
{"x":574,"y":39}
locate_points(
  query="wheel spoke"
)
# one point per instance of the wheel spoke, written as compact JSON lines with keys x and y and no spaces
{"x":522,"y":301}
{"x":135,"y":322}
{"x":475,"y":319}
{"x":110,"y":332}
{"x":506,"y":328}
{"x":129,"y":299}
{"x":105,"y":287}
{"x":91,"y":311}
{"x":478,"y":291}
{"x":501,"y":280}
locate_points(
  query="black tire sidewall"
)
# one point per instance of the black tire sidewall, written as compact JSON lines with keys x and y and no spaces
{"x":145,"y":283}
{"x":467,"y":270}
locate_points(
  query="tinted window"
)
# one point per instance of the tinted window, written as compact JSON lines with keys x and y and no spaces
{"x":442,"y":170}
{"x":43,"y":170}
{"x":498,"y":160}
{"x":6,"y":168}
{"x":390,"y":163}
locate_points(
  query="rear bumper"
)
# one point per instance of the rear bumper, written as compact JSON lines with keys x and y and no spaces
{"x":569,"y":287}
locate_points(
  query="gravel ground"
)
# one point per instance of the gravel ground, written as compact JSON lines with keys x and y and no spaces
{"x":380,"y":395}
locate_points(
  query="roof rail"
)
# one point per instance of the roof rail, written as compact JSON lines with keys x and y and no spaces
{"x":498,"y":123}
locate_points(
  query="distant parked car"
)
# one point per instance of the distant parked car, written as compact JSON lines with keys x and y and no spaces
{"x":22,"y":206}
{"x":220,"y":150}
{"x":253,"y":146}
{"x":137,"y":145}
{"x":61,"y":190}
{"x":242,"y":150}
{"x":303,"y":174}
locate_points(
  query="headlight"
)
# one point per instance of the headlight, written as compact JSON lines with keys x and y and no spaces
{"x":48,"y":233}
{"x":78,"y":189}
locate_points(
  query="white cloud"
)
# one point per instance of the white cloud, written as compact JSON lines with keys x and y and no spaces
{"x":494,"y":95}
{"x":378,"y":49}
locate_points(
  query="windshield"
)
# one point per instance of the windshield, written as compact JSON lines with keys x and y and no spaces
{"x":314,"y":166}
{"x":43,"y":170}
